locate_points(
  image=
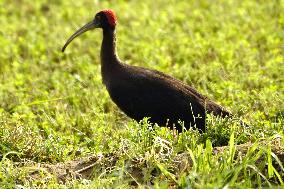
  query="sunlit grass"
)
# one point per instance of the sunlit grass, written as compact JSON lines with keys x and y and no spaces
{"x":54,"y":108}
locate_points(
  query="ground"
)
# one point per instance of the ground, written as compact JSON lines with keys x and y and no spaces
{"x":59,"y":128}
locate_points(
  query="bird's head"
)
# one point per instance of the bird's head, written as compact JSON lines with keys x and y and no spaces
{"x":105,"y":19}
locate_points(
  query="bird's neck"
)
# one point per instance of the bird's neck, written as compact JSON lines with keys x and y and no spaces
{"x":109,"y":57}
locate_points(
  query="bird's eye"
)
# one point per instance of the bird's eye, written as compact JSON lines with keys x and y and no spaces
{"x":98,"y":17}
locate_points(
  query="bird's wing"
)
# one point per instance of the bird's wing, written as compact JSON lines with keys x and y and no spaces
{"x":188,"y":92}
{"x":150,"y":86}
{"x":176,"y":82}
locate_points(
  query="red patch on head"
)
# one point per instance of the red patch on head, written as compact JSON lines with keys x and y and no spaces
{"x":111,"y":17}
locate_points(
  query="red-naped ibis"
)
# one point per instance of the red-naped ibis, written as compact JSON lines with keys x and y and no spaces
{"x":142,"y":92}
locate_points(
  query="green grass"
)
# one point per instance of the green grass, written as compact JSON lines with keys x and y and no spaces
{"x":54,"y":108}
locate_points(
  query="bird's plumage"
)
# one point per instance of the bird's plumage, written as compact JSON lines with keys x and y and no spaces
{"x":141,"y":92}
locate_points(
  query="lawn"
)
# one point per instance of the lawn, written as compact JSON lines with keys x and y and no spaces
{"x":60,"y":129}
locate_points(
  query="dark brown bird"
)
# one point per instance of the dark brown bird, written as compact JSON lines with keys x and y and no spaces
{"x":142,"y":92}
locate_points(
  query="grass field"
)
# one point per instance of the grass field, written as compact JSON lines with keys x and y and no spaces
{"x":55,"y":109}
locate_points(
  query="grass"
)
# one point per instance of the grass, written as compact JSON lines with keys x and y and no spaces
{"x":54,"y":108}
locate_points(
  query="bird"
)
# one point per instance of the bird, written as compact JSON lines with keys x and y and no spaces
{"x":141,"y":92}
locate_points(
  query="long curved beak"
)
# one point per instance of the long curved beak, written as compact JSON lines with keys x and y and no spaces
{"x":89,"y":26}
